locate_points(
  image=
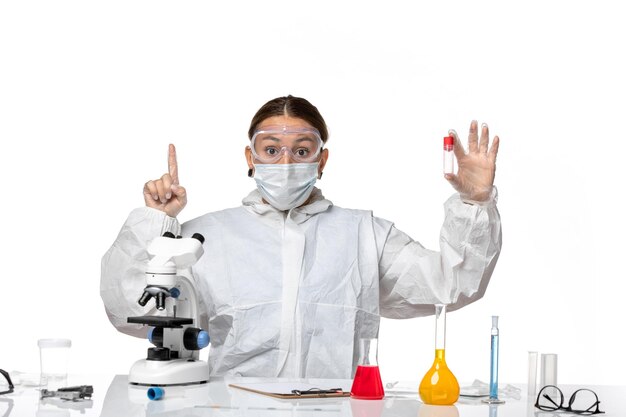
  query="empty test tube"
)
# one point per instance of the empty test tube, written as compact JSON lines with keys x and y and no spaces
{"x":532,"y":374}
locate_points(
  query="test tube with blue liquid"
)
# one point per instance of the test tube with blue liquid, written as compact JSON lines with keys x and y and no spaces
{"x":493,"y":376}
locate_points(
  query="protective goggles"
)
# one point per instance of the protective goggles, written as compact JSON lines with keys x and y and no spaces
{"x":269,"y":144}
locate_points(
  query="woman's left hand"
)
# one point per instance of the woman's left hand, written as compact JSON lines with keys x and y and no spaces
{"x":477,"y":168}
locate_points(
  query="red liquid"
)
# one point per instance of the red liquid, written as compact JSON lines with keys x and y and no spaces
{"x":367,"y":384}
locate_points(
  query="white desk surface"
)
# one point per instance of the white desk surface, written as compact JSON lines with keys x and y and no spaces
{"x":114,"y":397}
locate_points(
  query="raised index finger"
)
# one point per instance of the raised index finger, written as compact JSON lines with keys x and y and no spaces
{"x":172,"y":164}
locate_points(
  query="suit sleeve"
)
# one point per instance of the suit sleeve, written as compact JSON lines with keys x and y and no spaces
{"x":123,"y":267}
{"x":413,"y":278}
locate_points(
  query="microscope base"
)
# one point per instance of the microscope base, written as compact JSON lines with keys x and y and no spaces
{"x":172,"y":372}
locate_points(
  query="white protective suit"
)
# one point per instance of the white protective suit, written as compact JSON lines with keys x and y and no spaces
{"x":290,"y":293}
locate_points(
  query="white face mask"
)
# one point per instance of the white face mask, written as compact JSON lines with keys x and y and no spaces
{"x":285,"y":186}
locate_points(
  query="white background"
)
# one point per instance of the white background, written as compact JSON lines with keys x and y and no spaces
{"x":91,"y":93}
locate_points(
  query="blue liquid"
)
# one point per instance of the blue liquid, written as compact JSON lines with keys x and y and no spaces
{"x":493,"y":378}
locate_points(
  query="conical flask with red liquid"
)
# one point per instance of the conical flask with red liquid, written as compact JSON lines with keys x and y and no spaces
{"x":367,"y":384}
{"x":439,"y":386}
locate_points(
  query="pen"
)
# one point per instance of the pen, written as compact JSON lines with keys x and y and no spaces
{"x":316,"y":391}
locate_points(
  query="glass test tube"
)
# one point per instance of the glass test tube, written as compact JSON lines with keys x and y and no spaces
{"x":495,"y":353}
{"x":549,"y":372}
{"x":548,"y":369}
{"x":532,"y":374}
{"x":448,"y":155}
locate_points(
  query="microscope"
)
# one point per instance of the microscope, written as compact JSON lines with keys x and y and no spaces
{"x":176,"y":336}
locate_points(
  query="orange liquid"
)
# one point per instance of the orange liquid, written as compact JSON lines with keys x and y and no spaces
{"x":439,"y":386}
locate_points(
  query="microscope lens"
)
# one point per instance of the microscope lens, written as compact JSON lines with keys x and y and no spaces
{"x":160,"y":301}
{"x":145,"y":297}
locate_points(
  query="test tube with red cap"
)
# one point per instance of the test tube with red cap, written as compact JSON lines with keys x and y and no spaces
{"x":448,"y":155}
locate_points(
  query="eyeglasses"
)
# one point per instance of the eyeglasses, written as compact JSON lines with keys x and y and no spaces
{"x":582,"y":401}
{"x":8,"y":378}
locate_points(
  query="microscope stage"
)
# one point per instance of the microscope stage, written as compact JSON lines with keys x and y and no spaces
{"x":160,"y":321}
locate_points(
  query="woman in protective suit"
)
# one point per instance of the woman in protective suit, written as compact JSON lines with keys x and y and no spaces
{"x":289,"y":282}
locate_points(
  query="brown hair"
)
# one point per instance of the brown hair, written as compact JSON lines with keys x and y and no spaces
{"x":293,"y":107}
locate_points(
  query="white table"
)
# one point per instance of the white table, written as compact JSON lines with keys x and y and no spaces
{"x":114,"y":397}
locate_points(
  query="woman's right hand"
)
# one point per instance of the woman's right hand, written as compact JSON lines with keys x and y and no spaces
{"x":165,"y":193}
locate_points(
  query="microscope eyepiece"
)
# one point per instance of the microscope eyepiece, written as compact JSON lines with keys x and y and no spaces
{"x":169,"y":234}
{"x":199,"y":237}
